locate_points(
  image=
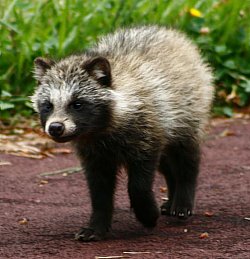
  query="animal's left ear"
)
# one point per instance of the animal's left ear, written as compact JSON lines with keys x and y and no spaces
{"x":100,"y":69}
{"x":41,"y":66}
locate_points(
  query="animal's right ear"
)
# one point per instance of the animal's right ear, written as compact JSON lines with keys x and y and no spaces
{"x":99,"y":68}
{"x":41,"y":66}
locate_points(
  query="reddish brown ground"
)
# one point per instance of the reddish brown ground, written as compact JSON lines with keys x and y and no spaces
{"x":56,"y":210}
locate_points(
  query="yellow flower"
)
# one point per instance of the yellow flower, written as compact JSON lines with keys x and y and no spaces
{"x":195,"y":13}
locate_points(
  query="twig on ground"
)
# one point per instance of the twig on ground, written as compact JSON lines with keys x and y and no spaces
{"x":5,"y":163}
{"x":110,"y":257}
{"x":136,"y":253}
{"x":66,"y":171}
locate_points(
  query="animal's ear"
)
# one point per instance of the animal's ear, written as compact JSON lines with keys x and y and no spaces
{"x":100,"y":69}
{"x":41,"y":66}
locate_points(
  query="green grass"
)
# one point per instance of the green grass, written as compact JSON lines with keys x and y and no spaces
{"x":57,"y":28}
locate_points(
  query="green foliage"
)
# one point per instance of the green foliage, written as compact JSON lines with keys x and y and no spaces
{"x":57,"y":28}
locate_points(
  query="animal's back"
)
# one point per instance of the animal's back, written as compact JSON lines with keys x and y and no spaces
{"x":140,"y":41}
{"x":162,"y":69}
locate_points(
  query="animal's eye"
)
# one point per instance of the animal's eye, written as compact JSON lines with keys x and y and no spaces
{"x":46,"y":107}
{"x":76,"y":105}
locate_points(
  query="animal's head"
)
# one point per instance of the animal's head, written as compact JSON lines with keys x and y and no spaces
{"x":73,"y":96}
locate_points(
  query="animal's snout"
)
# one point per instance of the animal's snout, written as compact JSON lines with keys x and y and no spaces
{"x":56,"y":129}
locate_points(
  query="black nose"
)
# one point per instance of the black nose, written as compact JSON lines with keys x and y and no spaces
{"x":56,"y":129}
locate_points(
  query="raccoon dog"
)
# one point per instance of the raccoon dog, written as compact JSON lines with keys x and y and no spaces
{"x":139,"y":99}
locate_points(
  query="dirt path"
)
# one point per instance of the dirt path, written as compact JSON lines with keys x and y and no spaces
{"x":56,"y":209}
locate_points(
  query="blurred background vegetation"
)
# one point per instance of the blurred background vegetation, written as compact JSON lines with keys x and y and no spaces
{"x":55,"y":28}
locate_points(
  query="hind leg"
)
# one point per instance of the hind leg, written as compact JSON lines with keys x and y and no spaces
{"x":165,"y":169}
{"x":182,"y":160}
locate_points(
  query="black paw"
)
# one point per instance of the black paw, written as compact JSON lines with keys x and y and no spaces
{"x":181,"y":212}
{"x":148,"y":216}
{"x":88,"y":235}
{"x":165,"y":208}
{"x":150,"y":222}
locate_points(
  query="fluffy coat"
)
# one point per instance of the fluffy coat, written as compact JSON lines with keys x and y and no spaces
{"x":140,"y":99}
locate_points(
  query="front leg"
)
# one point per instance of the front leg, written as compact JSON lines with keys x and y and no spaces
{"x":141,"y":175}
{"x":101,"y":178}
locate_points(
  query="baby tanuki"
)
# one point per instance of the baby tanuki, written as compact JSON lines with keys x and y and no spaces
{"x":139,"y":99}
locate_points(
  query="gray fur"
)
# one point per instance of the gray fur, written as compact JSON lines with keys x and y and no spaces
{"x":154,"y":70}
{"x":151,"y":95}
